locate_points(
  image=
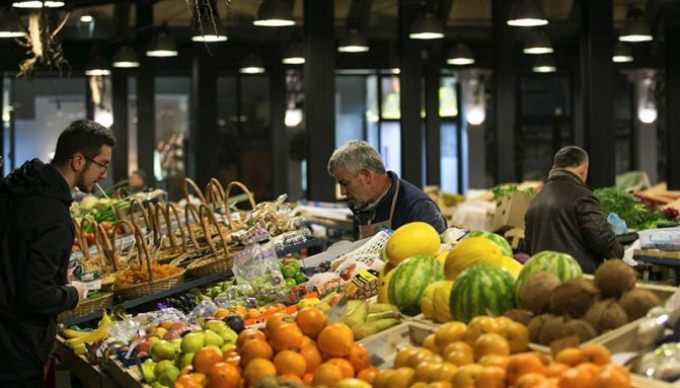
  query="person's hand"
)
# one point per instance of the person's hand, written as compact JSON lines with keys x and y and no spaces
{"x":82,"y":292}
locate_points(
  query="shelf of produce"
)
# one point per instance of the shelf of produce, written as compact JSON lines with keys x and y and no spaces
{"x":200,"y":282}
{"x":90,"y":375}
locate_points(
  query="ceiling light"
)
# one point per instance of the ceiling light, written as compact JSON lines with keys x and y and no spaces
{"x":86,"y":18}
{"x":97,"y":65}
{"x":544,"y":64}
{"x":635,"y":29}
{"x":353,"y":42}
{"x":460,"y":55}
{"x":252,"y":64}
{"x":427,"y":26}
{"x":526,"y":13}
{"x":294,"y":55}
{"x":37,"y":4}
{"x":395,"y":70}
{"x":274,"y":13}
{"x":208,"y":30}
{"x":9,"y":25}
{"x":162,"y":45}
{"x":125,"y":57}
{"x":538,"y":43}
{"x":622,"y":53}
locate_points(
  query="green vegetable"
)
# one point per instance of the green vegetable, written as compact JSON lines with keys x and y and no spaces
{"x":501,"y":191}
{"x":628,"y":208}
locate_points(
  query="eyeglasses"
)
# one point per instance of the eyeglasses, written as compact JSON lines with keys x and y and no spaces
{"x":101,"y":165}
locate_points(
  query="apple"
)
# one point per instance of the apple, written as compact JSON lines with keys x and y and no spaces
{"x":192,"y":342}
{"x":212,"y":338}
{"x":163,"y":350}
{"x":169,"y":375}
{"x":185,"y":360}
{"x":159,"y":332}
{"x":148,"y":373}
{"x":227,"y":347}
{"x":166,"y":325}
{"x":214,"y":324}
{"x":491,"y":343}
{"x":227,"y":334}
{"x":153,"y":339}
{"x":178,"y":325}
{"x":466,"y":375}
{"x":144,"y":347}
{"x":177,"y":342}
{"x":517,"y":336}
{"x":161,"y":366}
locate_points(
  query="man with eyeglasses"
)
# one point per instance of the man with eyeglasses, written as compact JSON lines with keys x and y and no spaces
{"x":36,"y":236}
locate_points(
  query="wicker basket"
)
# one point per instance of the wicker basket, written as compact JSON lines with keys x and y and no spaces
{"x":153,"y":286}
{"x":189,"y":183}
{"x":234,"y":225}
{"x":88,"y":306}
{"x":174,"y":246}
{"x":214,"y":262}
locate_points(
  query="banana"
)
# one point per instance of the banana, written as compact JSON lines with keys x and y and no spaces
{"x":70,"y":333}
{"x":381,"y":307}
{"x":99,"y":334}
{"x":382,"y":315}
{"x":372,"y":327}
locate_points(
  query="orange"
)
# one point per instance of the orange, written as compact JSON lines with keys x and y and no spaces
{"x":445,"y":372}
{"x":523,"y":363}
{"x":223,"y":375}
{"x":257,"y":369}
{"x":290,"y":378}
{"x":253,"y":314}
{"x":556,"y":368}
{"x":359,"y":358}
{"x":249,"y":334}
{"x":402,"y":377}
{"x":275,"y":321}
{"x":192,"y":380}
{"x":186,"y":370}
{"x":221,"y":313}
{"x":573,"y":378}
{"x":231,"y":357}
{"x":491,"y":377}
{"x":335,"y":340}
{"x":308,"y":379}
{"x":286,"y":336}
{"x":381,"y":378}
{"x":290,"y":362}
{"x":311,"y":355}
{"x":495,"y":360}
{"x":430,"y":344}
{"x":532,"y":380}
{"x":205,"y":358}
{"x":457,"y":345}
{"x":591,"y":370}
{"x":570,"y":356}
{"x":368,"y":374}
{"x":450,"y":332}
{"x":344,"y":365}
{"x":440,"y":384}
{"x":311,"y":321}
{"x":403,"y":356}
{"x":327,"y":374}
{"x":491,"y":343}
{"x":596,"y":353}
{"x":612,"y":376}
{"x":255,"y":349}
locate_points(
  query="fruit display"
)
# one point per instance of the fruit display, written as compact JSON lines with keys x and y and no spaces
{"x":476,"y":250}
{"x":415,"y":238}
{"x":435,"y":301}
{"x":410,"y":279}
{"x":77,"y":339}
{"x":581,"y":307}
{"x":560,"y":264}
{"x":290,"y":269}
{"x":139,"y":274}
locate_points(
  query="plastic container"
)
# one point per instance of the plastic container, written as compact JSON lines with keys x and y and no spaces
{"x":666,"y":239}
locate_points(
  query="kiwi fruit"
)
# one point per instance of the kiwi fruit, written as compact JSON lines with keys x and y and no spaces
{"x":520,"y":315}
{"x":614,"y":277}
{"x":581,"y":328}
{"x":536,"y":324}
{"x":553,"y":329}
{"x":637,"y":302}
{"x":573,"y":298}
{"x":535,"y":293}
{"x":606,"y":315}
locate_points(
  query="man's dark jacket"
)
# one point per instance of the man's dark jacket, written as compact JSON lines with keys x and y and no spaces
{"x":567,"y":217}
{"x":412,"y":205}
{"x":36,"y":233}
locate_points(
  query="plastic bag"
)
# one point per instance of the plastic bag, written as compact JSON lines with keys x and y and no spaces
{"x":257,"y":265}
{"x":617,"y":223}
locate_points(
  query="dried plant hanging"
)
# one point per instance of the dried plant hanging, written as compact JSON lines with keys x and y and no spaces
{"x":45,"y":52}
{"x":206,"y":11}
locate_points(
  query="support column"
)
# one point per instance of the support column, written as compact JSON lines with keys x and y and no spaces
{"x":410,"y":103}
{"x":279,"y":136}
{"x":119,"y":89}
{"x":672,"y":54}
{"x":504,"y":85}
{"x":3,"y":155}
{"x":432,"y":120}
{"x":146,"y":94}
{"x":319,"y":87}
{"x":204,"y":116}
{"x":596,"y":90}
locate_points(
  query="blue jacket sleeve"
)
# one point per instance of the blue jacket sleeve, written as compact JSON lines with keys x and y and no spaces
{"x":427,"y":211}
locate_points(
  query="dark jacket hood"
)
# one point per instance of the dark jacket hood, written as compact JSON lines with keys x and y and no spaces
{"x":35,"y":178}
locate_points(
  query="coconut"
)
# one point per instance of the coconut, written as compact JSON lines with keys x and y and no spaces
{"x":637,"y":302}
{"x":536,"y":324}
{"x":573,"y":298}
{"x":552,"y":330}
{"x":580,"y":328}
{"x":606,"y":315}
{"x":614,"y":277}
{"x":535,"y":293}
{"x":519,"y":315}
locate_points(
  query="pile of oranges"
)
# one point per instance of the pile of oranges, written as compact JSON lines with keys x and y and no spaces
{"x":306,"y":350}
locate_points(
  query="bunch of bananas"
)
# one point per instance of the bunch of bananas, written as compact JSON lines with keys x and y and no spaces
{"x":76,"y":339}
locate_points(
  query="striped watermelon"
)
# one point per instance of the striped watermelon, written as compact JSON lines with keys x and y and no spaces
{"x":499,"y":240}
{"x":409,"y":280}
{"x":558,"y":263}
{"x":482,"y":289}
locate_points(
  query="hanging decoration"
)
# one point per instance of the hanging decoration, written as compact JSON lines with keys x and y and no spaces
{"x":44,"y":48}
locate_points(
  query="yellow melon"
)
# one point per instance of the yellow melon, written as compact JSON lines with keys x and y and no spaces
{"x":384,"y":276}
{"x":513,"y":266}
{"x":415,"y":238}
{"x":470,"y":251}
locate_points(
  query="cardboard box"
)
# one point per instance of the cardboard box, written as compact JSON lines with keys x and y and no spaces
{"x":510,"y":211}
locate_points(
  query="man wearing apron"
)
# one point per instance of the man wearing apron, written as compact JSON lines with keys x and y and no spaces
{"x":379,"y":198}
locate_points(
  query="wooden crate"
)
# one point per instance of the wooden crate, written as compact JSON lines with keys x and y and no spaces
{"x":90,"y":375}
{"x":126,"y":377}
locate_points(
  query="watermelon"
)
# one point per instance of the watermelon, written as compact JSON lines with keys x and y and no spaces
{"x":499,"y":240}
{"x":558,"y":263}
{"x":482,"y":289}
{"x":409,"y":280}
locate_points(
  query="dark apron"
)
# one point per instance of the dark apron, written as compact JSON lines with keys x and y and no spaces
{"x":370,"y":230}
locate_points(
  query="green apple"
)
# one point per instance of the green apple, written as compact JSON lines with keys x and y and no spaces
{"x":227,"y":347}
{"x":163,"y":350}
{"x":153,"y":339}
{"x":161,"y":366}
{"x":212,"y":338}
{"x":192,"y":342}
{"x":177,"y":342}
{"x":186,"y":360}
{"x":289,"y":271}
{"x":159,"y":332}
{"x":169,"y":375}
{"x":148,"y":373}
{"x":214,"y":324}
{"x":228,"y":335}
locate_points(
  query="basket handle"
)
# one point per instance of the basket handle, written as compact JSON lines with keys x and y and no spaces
{"x":249,"y":194}
{"x":188,"y":182}
{"x":131,"y":212}
{"x":143,"y":250}
{"x":210,"y":216}
{"x":214,"y":193}
{"x":191,"y":211}
{"x":106,"y":247}
{"x":120,"y":225}
{"x":170,"y":211}
{"x":84,"y":245}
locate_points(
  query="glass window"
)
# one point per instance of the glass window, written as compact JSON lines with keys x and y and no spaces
{"x":390,"y":145}
{"x":449,"y":158}
{"x":350,"y":103}
{"x":448,"y":99}
{"x":389,"y":89}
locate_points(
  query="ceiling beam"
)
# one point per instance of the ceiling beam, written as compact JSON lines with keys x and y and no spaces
{"x":444,"y":10}
{"x":358,"y":15}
